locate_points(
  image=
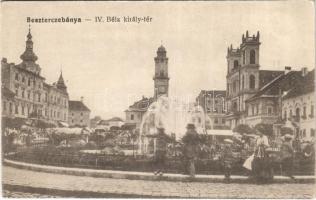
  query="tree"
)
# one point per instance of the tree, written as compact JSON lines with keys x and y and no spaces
{"x":243,"y":129}
{"x":266,"y":129}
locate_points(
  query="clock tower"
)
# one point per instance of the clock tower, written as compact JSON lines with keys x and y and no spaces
{"x":161,"y":78}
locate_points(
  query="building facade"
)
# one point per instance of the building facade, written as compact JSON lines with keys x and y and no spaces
{"x":79,"y":114}
{"x":213,"y":103}
{"x":298,"y":105}
{"x":33,"y":95}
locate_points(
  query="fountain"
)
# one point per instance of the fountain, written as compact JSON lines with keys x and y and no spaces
{"x":171,"y":114}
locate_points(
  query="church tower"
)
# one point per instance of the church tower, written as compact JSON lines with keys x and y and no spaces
{"x":161,"y":78}
{"x":29,"y":57}
{"x":61,"y":83}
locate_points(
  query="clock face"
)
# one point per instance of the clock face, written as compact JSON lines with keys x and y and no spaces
{"x":162,"y":89}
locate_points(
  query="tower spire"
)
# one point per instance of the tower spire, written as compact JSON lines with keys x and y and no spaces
{"x":28,"y":54}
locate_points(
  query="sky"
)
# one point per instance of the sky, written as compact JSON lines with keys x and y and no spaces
{"x":112,"y":64}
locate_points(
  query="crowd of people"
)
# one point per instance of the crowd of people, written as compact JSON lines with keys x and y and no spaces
{"x":259,"y":161}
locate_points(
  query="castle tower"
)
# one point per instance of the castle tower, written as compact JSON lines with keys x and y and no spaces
{"x":161,"y":78}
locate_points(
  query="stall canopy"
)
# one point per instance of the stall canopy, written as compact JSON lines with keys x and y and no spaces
{"x":76,"y":131}
{"x":215,"y":132}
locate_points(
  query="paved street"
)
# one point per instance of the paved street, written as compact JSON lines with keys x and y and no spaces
{"x":106,"y":187}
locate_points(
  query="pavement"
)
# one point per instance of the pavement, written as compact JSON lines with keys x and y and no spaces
{"x":146,"y":175}
{"x":29,"y":183}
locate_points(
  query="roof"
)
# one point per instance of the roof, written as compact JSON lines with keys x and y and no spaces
{"x":141,"y":105}
{"x":283,"y":82}
{"x":307,"y":85}
{"x":6,"y":92}
{"x":216,"y":93}
{"x":266,"y":76}
{"x":220,"y":132}
{"x":78,"y":106}
{"x":106,"y":122}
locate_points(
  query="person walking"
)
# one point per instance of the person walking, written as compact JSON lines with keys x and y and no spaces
{"x":161,"y":151}
{"x":227,"y":158}
{"x":191,"y":143}
{"x":287,"y":156}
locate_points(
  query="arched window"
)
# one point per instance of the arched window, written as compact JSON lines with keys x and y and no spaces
{"x":235,"y":64}
{"x":252,"y":57}
{"x":252,"y":82}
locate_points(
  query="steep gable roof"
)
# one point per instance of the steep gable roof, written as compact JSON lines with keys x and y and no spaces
{"x":281,"y":83}
{"x":307,"y":85}
{"x":266,"y":76}
{"x":78,"y":106}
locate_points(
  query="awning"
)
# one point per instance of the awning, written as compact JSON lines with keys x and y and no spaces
{"x":219,"y":132}
{"x":63,"y":124}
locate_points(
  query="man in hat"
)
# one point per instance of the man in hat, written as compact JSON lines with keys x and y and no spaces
{"x":161,"y":150}
{"x":191,"y":143}
{"x":287,"y":155}
{"x":227,"y":158}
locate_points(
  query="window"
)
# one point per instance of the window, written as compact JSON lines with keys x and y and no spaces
{"x":16,"y":109}
{"x":39,"y":97}
{"x":4,"y":105}
{"x":291,"y":114}
{"x":270,"y":110}
{"x":81,"y":121}
{"x":234,"y":86}
{"x":235,"y":64}
{"x":72,"y":121}
{"x":312,"y":132}
{"x":23,"y":93}
{"x":304,"y":111}
{"x":285,"y":114}
{"x":242,"y":82}
{"x":81,"y":114}
{"x":252,"y":83}
{"x":65,"y":116}
{"x":223,"y":121}
{"x":252,"y":110}
{"x":304,"y":133}
{"x":215,"y":121}
{"x":23,"y":79}
{"x":312,"y":111}
{"x":161,"y":73}
{"x":243,"y":57}
{"x":132,"y":117}
{"x":10,"y":108}
{"x":28,"y":94}
{"x":29,"y":82}
{"x":22,"y":110}
{"x":252,"y":57}
{"x":17,"y":91}
{"x":16,"y":76}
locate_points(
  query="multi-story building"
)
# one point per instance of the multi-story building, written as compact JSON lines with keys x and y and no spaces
{"x":265,"y":106}
{"x":298,"y":105}
{"x":213,"y":103}
{"x":79,"y":114}
{"x":33,"y":97}
{"x":7,"y":102}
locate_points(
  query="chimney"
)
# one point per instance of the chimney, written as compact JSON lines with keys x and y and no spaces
{"x":304,"y":71}
{"x":81,"y":99}
{"x":287,"y":69}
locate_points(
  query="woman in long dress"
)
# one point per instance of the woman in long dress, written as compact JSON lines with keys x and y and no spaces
{"x":261,"y":165}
